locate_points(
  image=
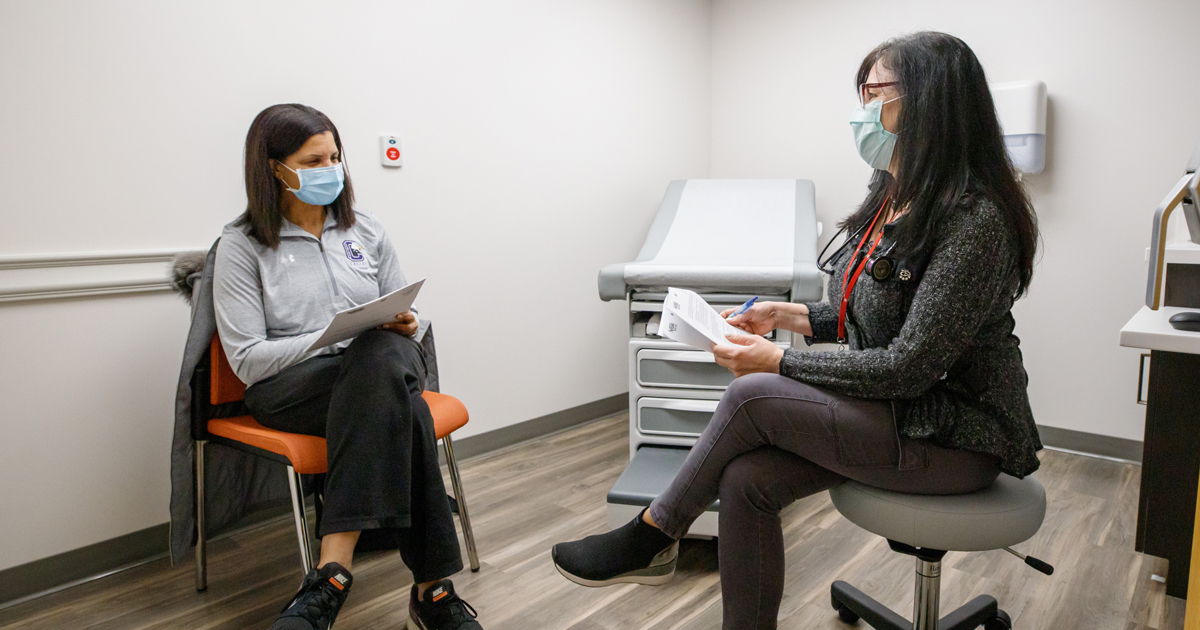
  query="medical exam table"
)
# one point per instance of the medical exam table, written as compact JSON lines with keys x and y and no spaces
{"x":728,"y":240}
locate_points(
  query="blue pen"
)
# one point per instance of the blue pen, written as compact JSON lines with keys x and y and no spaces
{"x":742,"y":309}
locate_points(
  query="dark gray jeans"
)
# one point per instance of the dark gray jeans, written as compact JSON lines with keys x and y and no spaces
{"x":774,"y":440}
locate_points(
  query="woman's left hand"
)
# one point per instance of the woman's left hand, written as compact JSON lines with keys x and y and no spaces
{"x":749,"y":354}
{"x":406,"y":324}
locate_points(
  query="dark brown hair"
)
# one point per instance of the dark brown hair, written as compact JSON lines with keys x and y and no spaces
{"x":949,"y":149}
{"x":277,"y":132}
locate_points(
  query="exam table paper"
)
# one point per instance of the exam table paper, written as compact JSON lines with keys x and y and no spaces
{"x":352,"y":322}
{"x":688,"y":319}
{"x":709,"y":243}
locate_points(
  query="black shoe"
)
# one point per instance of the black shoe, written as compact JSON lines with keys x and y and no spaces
{"x":636,"y":552}
{"x":440,"y":609}
{"x":319,"y":600}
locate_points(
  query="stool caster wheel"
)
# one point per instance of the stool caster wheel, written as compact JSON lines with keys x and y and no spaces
{"x":845,"y":614}
{"x":1000,"y":622}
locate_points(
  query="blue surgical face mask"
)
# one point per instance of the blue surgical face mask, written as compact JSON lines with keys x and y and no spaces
{"x":875,"y":144}
{"x":318,"y":186}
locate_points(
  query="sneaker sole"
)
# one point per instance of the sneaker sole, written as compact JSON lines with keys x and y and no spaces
{"x":650,"y":576}
{"x":413,"y":625}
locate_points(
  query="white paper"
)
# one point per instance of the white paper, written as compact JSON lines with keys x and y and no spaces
{"x":688,"y":319}
{"x":352,"y":322}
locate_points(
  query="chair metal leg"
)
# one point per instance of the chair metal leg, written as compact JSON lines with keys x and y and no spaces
{"x":461,"y":499}
{"x":928,"y":595}
{"x":201,"y":543}
{"x":298,"y":512}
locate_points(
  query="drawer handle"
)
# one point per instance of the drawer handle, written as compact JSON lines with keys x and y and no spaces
{"x":1141,"y":375}
{"x":697,"y":406}
{"x":685,"y":356}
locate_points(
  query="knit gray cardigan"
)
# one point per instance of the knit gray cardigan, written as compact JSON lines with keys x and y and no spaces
{"x":938,"y":335}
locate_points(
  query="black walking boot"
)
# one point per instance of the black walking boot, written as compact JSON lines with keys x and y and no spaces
{"x":636,"y":552}
{"x":320,"y":598}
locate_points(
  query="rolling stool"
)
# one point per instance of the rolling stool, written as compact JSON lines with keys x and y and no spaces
{"x":1008,"y":512}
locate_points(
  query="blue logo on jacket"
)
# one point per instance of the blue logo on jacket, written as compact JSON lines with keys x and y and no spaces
{"x":354,"y":253}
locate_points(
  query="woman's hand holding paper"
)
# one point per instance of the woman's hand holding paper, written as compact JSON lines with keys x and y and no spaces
{"x":406,"y":324}
{"x":748,"y":354}
{"x":759,"y":319}
{"x":764,"y":317}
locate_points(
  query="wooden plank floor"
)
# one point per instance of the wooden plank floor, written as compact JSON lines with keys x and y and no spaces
{"x":530,"y":496}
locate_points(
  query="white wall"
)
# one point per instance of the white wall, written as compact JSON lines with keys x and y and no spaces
{"x":1122,"y":123}
{"x":538,"y":138}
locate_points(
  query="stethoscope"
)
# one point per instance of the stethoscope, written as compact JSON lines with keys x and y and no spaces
{"x":881,"y":267}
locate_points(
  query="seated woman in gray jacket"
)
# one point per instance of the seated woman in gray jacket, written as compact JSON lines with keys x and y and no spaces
{"x":931,"y":396}
{"x":300,"y":253}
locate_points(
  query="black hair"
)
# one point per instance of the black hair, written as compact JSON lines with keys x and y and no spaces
{"x":949,"y":148}
{"x":277,"y":132}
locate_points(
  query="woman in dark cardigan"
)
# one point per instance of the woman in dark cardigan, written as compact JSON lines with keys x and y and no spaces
{"x":931,"y":396}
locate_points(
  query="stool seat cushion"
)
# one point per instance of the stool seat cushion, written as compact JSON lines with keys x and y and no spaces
{"x":1008,"y":512}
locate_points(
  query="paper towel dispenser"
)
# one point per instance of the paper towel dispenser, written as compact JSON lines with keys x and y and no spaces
{"x":1021,"y":107}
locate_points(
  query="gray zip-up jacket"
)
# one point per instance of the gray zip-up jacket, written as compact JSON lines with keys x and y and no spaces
{"x":271,"y":304}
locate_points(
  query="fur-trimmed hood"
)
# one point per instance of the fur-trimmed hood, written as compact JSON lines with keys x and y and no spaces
{"x":186,"y":268}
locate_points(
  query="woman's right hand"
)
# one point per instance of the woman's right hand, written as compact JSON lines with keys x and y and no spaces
{"x":764,"y":317}
{"x":760,"y":319}
{"x":406,"y":324}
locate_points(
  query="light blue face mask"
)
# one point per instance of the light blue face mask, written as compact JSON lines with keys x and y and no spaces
{"x":318,"y":186}
{"x":875,"y":144}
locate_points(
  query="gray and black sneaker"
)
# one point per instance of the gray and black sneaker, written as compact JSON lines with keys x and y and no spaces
{"x":440,"y":609}
{"x":636,"y":552}
{"x":320,"y":598}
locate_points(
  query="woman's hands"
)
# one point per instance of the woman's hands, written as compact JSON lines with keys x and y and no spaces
{"x":405,"y":324}
{"x":749,"y":354}
{"x":760,"y":319}
{"x":752,"y":353}
{"x":764,"y":317}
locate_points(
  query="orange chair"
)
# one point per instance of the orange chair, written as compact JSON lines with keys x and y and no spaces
{"x":302,"y":454}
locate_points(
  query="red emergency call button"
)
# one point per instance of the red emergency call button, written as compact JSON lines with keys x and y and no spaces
{"x":393,"y":153}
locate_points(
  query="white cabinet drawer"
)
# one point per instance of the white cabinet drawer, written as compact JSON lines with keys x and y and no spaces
{"x":673,"y":416}
{"x":687,"y":369}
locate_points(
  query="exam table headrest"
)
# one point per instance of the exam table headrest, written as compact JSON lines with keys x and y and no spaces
{"x":727,"y":235}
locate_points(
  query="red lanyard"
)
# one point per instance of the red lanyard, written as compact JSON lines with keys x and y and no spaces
{"x":850,"y":279}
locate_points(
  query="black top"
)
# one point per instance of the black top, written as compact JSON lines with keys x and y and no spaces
{"x":937,"y":334}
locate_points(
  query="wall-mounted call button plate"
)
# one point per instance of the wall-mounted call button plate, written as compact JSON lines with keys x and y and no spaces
{"x":389,"y":151}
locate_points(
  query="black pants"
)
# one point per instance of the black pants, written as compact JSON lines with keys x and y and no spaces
{"x":384,"y":478}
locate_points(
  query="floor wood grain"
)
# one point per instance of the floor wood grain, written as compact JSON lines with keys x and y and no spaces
{"x":527,"y":497}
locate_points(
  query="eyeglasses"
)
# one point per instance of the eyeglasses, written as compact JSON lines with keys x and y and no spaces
{"x":864,"y":97}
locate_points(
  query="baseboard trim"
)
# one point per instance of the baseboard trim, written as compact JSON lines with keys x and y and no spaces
{"x":35,"y":579}
{"x":132,"y":549}
{"x":1082,"y":443}
{"x":80,"y":566}
{"x":475,"y":445}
